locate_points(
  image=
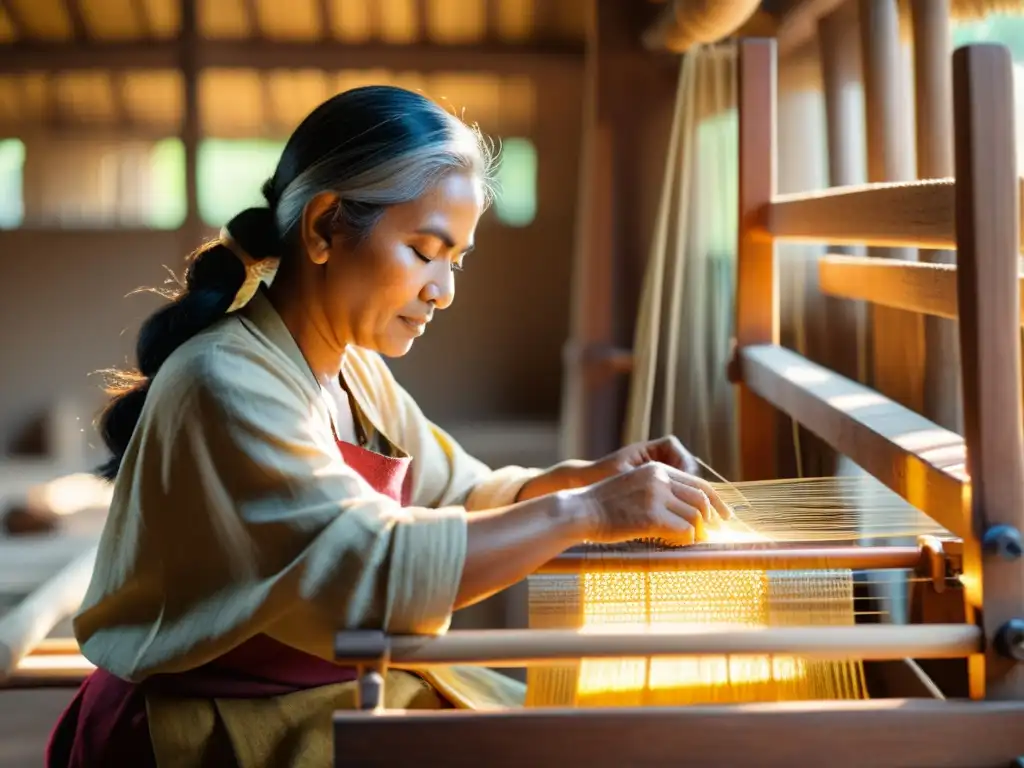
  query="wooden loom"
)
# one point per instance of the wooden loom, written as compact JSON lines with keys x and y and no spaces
{"x":979,"y":216}
{"x":925,"y":464}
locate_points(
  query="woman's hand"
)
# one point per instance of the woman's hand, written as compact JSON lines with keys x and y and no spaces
{"x":652,"y":500}
{"x":578,"y":474}
{"x":665,"y":450}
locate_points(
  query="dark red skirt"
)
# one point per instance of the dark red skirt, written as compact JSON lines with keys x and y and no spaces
{"x":106,"y":723}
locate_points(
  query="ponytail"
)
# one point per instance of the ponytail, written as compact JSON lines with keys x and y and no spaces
{"x":213,"y":277}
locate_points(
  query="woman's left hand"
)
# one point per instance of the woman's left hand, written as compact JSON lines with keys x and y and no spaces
{"x":577,"y":474}
{"x":664,"y":450}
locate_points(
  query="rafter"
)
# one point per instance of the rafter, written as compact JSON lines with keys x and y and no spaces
{"x":252,"y":16}
{"x":142,"y":19}
{"x":79,"y":29}
{"x":520,"y":59}
{"x":325,"y":20}
{"x":16,"y":19}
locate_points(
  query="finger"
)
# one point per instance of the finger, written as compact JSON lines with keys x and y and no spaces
{"x":696,"y":498}
{"x":675,"y":529}
{"x":691,"y":515}
{"x":719,"y":506}
{"x":669,"y":450}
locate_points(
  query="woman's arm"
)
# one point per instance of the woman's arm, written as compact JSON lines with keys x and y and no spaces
{"x":506,"y":545}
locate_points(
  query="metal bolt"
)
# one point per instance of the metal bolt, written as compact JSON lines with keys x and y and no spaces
{"x":1009,"y":640}
{"x":1003,"y":540}
{"x":371,"y":690}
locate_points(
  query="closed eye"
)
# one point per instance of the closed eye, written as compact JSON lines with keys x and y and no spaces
{"x":456,"y":267}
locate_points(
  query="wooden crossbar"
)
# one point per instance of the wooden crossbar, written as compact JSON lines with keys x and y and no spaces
{"x":917,"y":214}
{"x":884,"y":733}
{"x":914,"y":286}
{"x":916,"y":458}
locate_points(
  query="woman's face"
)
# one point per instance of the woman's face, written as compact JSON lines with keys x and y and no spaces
{"x":382,"y":292}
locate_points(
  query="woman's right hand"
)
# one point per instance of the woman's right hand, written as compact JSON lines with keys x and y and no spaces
{"x":652,"y":501}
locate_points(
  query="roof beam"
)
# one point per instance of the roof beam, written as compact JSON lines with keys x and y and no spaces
{"x":78,"y":26}
{"x":141,"y":13}
{"x":15,"y":17}
{"x":325,"y":20}
{"x":532,"y":59}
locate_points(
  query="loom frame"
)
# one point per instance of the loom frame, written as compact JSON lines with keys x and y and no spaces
{"x":973,"y":486}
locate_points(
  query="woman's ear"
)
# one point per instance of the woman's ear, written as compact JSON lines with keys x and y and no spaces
{"x":317,"y":226}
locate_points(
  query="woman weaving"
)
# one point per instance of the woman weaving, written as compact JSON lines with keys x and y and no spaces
{"x":274,"y":483}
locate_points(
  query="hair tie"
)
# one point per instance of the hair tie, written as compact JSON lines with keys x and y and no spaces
{"x":256,"y":271}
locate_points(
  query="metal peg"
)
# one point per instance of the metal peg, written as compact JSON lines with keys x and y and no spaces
{"x":1003,"y":540}
{"x":370,"y":689}
{"x":1009,"y":640}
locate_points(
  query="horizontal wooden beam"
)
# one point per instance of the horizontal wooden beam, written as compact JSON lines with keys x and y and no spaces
{"x":881,"y":733}
{"x":508,"y":58}
{"x":914,"y":286}
{"x":916,"y":458}
{"x":911,"y":285}
{"x":532,"y":647}
{"x":728,"y":558}
{"x":917,"y":214}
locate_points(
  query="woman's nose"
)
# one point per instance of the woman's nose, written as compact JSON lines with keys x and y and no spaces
{"x":440,"y":290}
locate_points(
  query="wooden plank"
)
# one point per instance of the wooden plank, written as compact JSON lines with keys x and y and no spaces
{"x":914,"y":286}
{"x":916,"y":458}
{"x":988,"y":226}
{"x":757,"y":290}
{"x":893,"y":733}
{"x":915,"y":213}
{"x":29,"y":622}
{"x":928,"y":288}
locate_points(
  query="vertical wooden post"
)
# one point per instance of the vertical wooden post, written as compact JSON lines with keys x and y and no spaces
{"x":933,"y":95}
{"x":757,"y":315}
{"x":190,"y":123}
{"x":840,"y":69}
{"x":988,"y":293}
{"x":589,"y":391}
{"x":897,"y":337}
{"x":626,"y":122}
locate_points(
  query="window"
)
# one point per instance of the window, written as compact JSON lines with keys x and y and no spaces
{"x":167,"y":196}
{"x":91,"y":182}
{"x":516,"y":201}
{"x":715,"y":183}
{"x":12,"y":167}
{"x":230,"y":173}
{"x":1006,"y":29}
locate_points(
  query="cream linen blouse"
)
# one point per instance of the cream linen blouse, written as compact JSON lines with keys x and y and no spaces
{"x":235,"y":514}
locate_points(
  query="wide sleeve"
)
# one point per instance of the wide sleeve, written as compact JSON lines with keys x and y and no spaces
{"x":443,"y":472}
{"x":235,"y":510}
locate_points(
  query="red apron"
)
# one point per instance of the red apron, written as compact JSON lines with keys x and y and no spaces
{"x":106,"y":724}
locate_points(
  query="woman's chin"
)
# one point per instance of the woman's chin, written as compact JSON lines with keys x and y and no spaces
{"x":392,"y":347}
